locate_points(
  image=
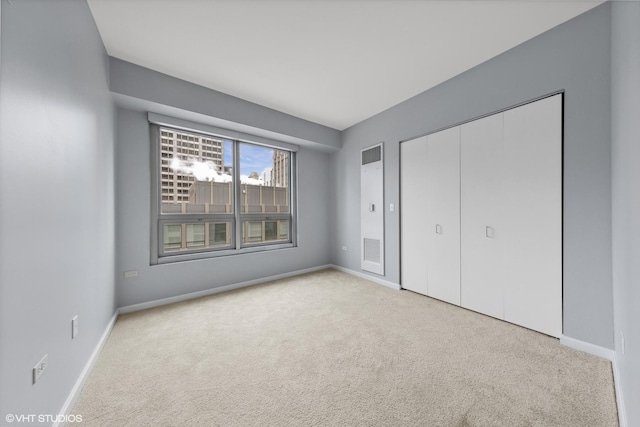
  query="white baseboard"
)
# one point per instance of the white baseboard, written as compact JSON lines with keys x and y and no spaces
{"x":586,"y":347}
{"x":368,"y":277}
{"x":622,"y":414}
{"x":75,"y":391}
{"x":77,"y":388}
{"x":610,"y":355}
{"x":212,"y":291}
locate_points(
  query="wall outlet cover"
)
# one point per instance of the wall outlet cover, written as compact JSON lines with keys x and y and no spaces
{"x":39,"y":369}
{"x":74,"y":326}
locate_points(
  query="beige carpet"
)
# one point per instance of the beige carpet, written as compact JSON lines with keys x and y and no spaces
{"x":331,"y":349}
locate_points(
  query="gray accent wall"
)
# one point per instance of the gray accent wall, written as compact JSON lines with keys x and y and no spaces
{"x":625,"y":118}
{"x":174,"y":279}
{"x":56,"y":200}
{"x":573,"y":57}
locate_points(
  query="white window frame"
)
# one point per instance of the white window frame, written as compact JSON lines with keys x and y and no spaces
{"x":237,"y":218}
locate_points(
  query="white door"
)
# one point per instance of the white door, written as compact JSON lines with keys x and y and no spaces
{"x":532,"y":219}
{"x":482,"y":233}
{"x":413,"y":207}
{"x":442,"y":234}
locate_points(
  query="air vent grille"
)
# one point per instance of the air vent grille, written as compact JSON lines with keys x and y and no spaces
{"x":372,"y":155}
{"x":372,"y":250}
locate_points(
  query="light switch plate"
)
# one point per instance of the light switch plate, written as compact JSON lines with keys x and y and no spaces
{"x":74,"y":326}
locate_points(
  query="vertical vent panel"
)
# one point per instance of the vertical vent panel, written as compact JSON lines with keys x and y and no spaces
{"x":372,"y":209}
{"x":372,"y":155}
{"x":372,"y":250}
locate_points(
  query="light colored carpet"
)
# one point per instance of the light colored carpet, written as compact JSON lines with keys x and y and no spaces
{"x":331,"y":349}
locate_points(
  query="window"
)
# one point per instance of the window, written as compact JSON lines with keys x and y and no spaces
{"x":205,"y":205}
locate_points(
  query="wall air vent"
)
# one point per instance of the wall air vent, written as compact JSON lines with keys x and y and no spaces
{"x":372,"y":210}
{"x":371,"y":155}
{"x":372,"y":250}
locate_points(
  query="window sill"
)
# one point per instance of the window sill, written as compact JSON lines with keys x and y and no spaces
{"x":170,"y":259}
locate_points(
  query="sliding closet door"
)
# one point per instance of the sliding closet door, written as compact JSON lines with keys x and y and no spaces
{"x":482,"y":234}
{"x":442,"y":237}
{"x":413,"y":209}
{"x":532,"y":219}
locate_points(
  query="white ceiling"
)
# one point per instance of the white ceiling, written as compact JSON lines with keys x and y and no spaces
{"x":328,"y":61}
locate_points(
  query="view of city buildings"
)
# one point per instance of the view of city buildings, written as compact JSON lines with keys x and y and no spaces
{"x":185,"y":146}
{"x":195,"y":180}
{"x":280,"y":171}
{"x":191,"y":147}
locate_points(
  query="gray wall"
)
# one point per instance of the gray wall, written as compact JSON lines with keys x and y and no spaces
{"x":56,"y":199}
{"x":139,"y":87}
{"x":162,"y":281}
{"x":57,"y":195}
{"x":625,"y":115}
{"x":574,"y":57}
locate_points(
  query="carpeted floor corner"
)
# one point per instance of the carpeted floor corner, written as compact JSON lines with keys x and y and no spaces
{"x":331,"y":349}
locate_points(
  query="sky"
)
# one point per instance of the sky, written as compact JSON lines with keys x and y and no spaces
{"x":252,"y":158}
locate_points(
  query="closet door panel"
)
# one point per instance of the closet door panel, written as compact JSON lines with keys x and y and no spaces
{"x":481,"y":206}
{"x":533,"y":215}
{"x":443,"y":215}
{"x":413,"y":155}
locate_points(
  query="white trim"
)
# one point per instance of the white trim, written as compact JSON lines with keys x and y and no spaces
{"x":622,"y":414}
{"x":610,"y":355}
{"x":593,"y":349}
{"x":367,"y":276}
{"x":88,"y":367}
{"x":84,"y":375}
{"x":192,"y":295}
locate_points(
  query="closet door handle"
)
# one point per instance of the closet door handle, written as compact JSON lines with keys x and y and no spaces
{"x":438,"y":229}
{"x":489,"y":232}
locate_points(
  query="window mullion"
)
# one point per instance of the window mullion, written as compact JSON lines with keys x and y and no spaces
{"x":293,"y":197}
{"x":264,"y":216}
{"x":155,"y":192}
{"x":237,"y":187}
{"x":196,"y":217}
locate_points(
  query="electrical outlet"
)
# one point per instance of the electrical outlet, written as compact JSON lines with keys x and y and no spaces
{"x":622,"y":342}
{"x":39,"y":369}
{"x":74,"y":326}
{"x":130,"y":273}
{"x":344,"y":248}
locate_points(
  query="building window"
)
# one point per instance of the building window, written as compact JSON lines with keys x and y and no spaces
{"x":239,"y":200}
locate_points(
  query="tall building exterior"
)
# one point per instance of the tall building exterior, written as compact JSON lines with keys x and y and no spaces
{"x":187,"y":147}
{"x":216,"y":197}
{"x":267,"y":177}
{"x":280,"y":172}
